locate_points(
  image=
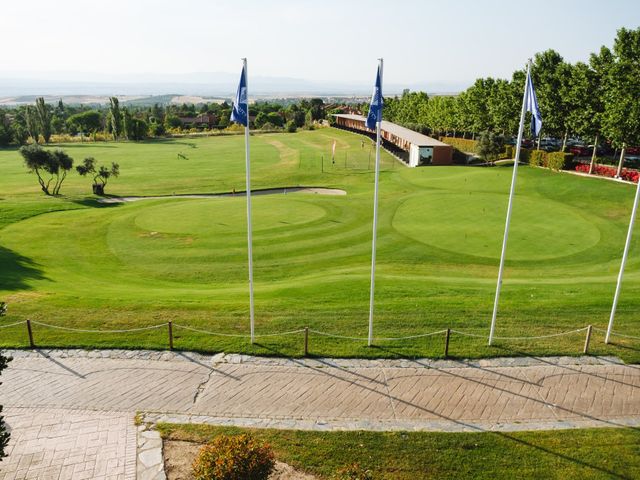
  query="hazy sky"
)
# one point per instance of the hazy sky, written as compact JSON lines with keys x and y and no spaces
{"x":323,"y":40}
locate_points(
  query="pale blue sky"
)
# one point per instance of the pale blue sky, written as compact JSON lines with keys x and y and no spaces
{"x":423,"y":42}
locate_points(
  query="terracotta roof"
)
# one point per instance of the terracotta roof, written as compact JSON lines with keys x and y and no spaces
{"x":409,"y":135}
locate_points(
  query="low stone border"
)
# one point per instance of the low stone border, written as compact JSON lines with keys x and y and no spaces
{"x":234,"y":358}
{"x":150,"y":463}
{"x":387,"y":425}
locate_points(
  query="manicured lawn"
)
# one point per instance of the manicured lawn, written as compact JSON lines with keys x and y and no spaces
{"x":74,"y":262}
{"x":566,"y":454}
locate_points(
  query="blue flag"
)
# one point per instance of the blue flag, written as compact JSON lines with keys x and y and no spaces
{"x":240,"y":111}
{"x":532,"y":106}
{"x":375,"y":108}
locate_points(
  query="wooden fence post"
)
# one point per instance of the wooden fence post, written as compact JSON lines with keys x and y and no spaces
{"x":446,"y":342}
{"x":170,"y":335}
{"x":587,"y":340}
{"x":306,"y":341}
{"x":31,"y":344}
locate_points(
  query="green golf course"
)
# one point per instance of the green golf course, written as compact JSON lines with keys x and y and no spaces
{"x":75,"y":262}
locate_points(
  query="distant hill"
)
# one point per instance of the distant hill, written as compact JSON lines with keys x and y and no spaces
{"x":199,"y":84}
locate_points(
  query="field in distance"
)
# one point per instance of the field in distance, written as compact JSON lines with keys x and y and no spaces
{"x":72,"y":261}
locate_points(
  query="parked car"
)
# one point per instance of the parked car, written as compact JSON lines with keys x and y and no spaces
{"x":632,"y":150}
{"x":581,"y":150}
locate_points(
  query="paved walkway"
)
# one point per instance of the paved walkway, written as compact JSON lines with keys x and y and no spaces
{"x":71,"y":411}
{"x":60,"y":444}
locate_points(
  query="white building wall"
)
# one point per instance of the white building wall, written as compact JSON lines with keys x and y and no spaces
{"x":414,"y":155}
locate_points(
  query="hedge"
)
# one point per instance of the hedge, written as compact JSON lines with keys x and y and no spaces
{"x":538,"y":158}
{"x":558,"y":160}
{"x":462,"y":144}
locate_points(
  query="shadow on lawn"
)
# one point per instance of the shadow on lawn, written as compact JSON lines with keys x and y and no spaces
{"x":95,"y":203}
{"x":16,"y":270}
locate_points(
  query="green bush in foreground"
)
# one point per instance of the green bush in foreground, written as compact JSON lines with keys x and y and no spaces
{"x":237,"y":457}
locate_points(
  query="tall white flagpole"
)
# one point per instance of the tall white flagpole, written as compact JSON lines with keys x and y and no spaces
{"x":249,"y":233}
{"x":622,"y":265}
{"x":513,"y":185}
{"x":375,"y":219}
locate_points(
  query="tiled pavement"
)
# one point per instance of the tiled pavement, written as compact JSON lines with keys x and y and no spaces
{"x":328,"y":394}
{"x":60,"y":444}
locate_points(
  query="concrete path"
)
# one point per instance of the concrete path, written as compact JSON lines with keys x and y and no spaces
{"x":506,"y":394}
{"x":71,"y":412}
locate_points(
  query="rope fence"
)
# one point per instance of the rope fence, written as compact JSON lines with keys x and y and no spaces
{"x":306,"y":331}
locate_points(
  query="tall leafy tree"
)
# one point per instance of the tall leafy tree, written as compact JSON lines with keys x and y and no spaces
{"x":44,"y":118}
{"x":115,"y":117}
{"x":32,"y":123}
{"x":548,"y":72}
{"x":621,"y":118}
{"x":585,"y":98}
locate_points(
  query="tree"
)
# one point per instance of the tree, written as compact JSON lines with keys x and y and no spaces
{"x":585,"y":98}
{"x":138,"y":129}
{"x":87,"y":122}
{"x":621,"y":118}
{"x":115,"y":117}
{"x":6,"y":133}
{"x":549,"y":72}
{"x":44,"y":163}
{"x":317,"y":109}
{"x":63,"y":163}
{"x":489,"y":146}
{"x":101,"y":174}
{"x":4,"y":435}
{"x":32,"y":123}
{"x":127,"y":126}
{"x":276,"y":119}
{"x":44,"y":118}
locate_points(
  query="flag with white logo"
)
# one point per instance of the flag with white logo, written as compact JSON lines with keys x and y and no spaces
{"x":375,"y":108}
{"x":240,"y":111}
{"x":532,"y":106}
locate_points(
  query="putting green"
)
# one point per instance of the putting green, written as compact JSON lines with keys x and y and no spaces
{"x":473,"y":224}
{"x":221,"y":216}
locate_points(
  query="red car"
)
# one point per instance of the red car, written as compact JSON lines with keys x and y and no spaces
{"x":633,"y":150}
{"x":581,"y":151}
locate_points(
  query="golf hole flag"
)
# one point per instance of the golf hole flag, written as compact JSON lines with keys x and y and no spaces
{"x":375,"y":108}
{"x":240,"y":111}
{"x":532,"y":106}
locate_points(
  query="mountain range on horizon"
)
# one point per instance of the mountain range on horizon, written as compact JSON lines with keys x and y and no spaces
{"x":213,"y":84}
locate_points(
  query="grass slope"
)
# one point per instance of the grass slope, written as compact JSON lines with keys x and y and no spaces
{"x":567,"y":454}
{"x":72,"y":261}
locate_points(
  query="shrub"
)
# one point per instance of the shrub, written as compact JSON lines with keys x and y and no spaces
{"x":557,"y":160}
{"x":525,"y":155}
{"x":353,"y":472}
{"x":291,"y":126}
{"x":538,"y":158}
{"x":237,"y":457}
{"x":606,"y":171}
{"x":509,"y":151}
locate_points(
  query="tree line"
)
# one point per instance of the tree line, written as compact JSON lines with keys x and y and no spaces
{"x":598,"y":101}
{"x":38,"y":122}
